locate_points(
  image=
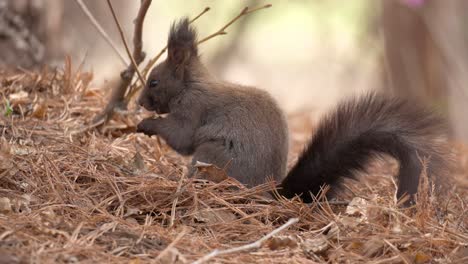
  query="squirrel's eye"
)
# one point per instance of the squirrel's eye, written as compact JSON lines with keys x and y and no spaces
{"x":153,"y":83}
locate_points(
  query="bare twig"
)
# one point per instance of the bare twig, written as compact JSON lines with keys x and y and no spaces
{"x":201,"y":14}
{"x":99,"y":28}
{"x":118,"y":94}
{"x":253,"y":245}
{"x":176,"y":200}
{"x":137,"y":56}
{"x":97,"y":122}
{"x":395,"y":249}
{"x":224,"y":54}
{"x":153,"y":61}
{"x":145,"y":73}
{"x":222,"y":31}
{"x":172,"y":244}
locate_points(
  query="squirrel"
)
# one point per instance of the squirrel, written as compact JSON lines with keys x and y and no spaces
{"x":243,"y":128}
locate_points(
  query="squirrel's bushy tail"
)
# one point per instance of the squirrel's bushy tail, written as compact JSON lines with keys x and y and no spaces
{"x":362,"y":128}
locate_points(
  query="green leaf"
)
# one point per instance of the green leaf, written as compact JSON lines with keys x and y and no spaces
{"x":8,"y":108}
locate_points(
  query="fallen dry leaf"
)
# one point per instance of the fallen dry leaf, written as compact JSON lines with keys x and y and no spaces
{"x":280,"y":242}
{"x":138,"y":162}
{"x":315,"y":245}
{"x":40,"y":109}
{"x":21,"y":97}
{"x":5,"y":205}
{"x":373,"y":247}
{"x":357,"y":207}
{"x":210,"y":172}
{"x":212,"y":216}
{"x":421,"y":258}
{"x":172,"y":256}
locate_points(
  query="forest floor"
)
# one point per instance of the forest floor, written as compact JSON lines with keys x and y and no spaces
{"x":108,"y":195}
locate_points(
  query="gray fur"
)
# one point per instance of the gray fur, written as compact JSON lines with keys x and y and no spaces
{"x":242,"y":128}
{"x":228,"y":125}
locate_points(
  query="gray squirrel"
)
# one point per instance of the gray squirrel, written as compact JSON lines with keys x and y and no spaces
{"x":243,"y":129}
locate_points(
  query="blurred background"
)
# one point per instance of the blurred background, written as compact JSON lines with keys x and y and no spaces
{"x":307,"y":53}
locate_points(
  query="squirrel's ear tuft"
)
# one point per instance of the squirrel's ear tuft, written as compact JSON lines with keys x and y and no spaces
{"x":182,"y":42}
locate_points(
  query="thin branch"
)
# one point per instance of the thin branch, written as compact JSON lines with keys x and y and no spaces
{"x":137,"y":48}
{"x":99,"y":28}
{"x":253,"y":245}
{"x":118,"y":94}
{"x":145,"y":73}
{"x":138,"y":34}
{"x":219,"y":32}
{"x":222,"y":31}
{"x":225,"y":53}
{"x":156,"y":58}
{"x":201,"y":14}
{"x":153,"y":61}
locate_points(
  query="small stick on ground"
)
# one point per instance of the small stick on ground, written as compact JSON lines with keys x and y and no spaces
{"x":254,"y":245}
{"x":176,"y":200}
{"x":395,"y":249}
{"x":172,"y":244}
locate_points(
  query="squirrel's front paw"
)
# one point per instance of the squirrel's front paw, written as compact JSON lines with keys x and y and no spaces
{"x":146,"y":126}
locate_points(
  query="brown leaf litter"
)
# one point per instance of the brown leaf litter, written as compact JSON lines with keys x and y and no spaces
{"x":110,"y":196}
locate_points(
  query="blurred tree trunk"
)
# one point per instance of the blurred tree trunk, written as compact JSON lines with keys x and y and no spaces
{"x":37,"y":32}
{"x":414,"y":64}
{"x":29,"y":31}
{"x":426,"y":55}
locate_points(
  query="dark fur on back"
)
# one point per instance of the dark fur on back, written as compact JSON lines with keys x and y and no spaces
{"x":364,"y":127}
{"x":243,"y":130}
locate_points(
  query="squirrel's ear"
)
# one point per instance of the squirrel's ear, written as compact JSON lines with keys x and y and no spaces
{"x":182,"y":44}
